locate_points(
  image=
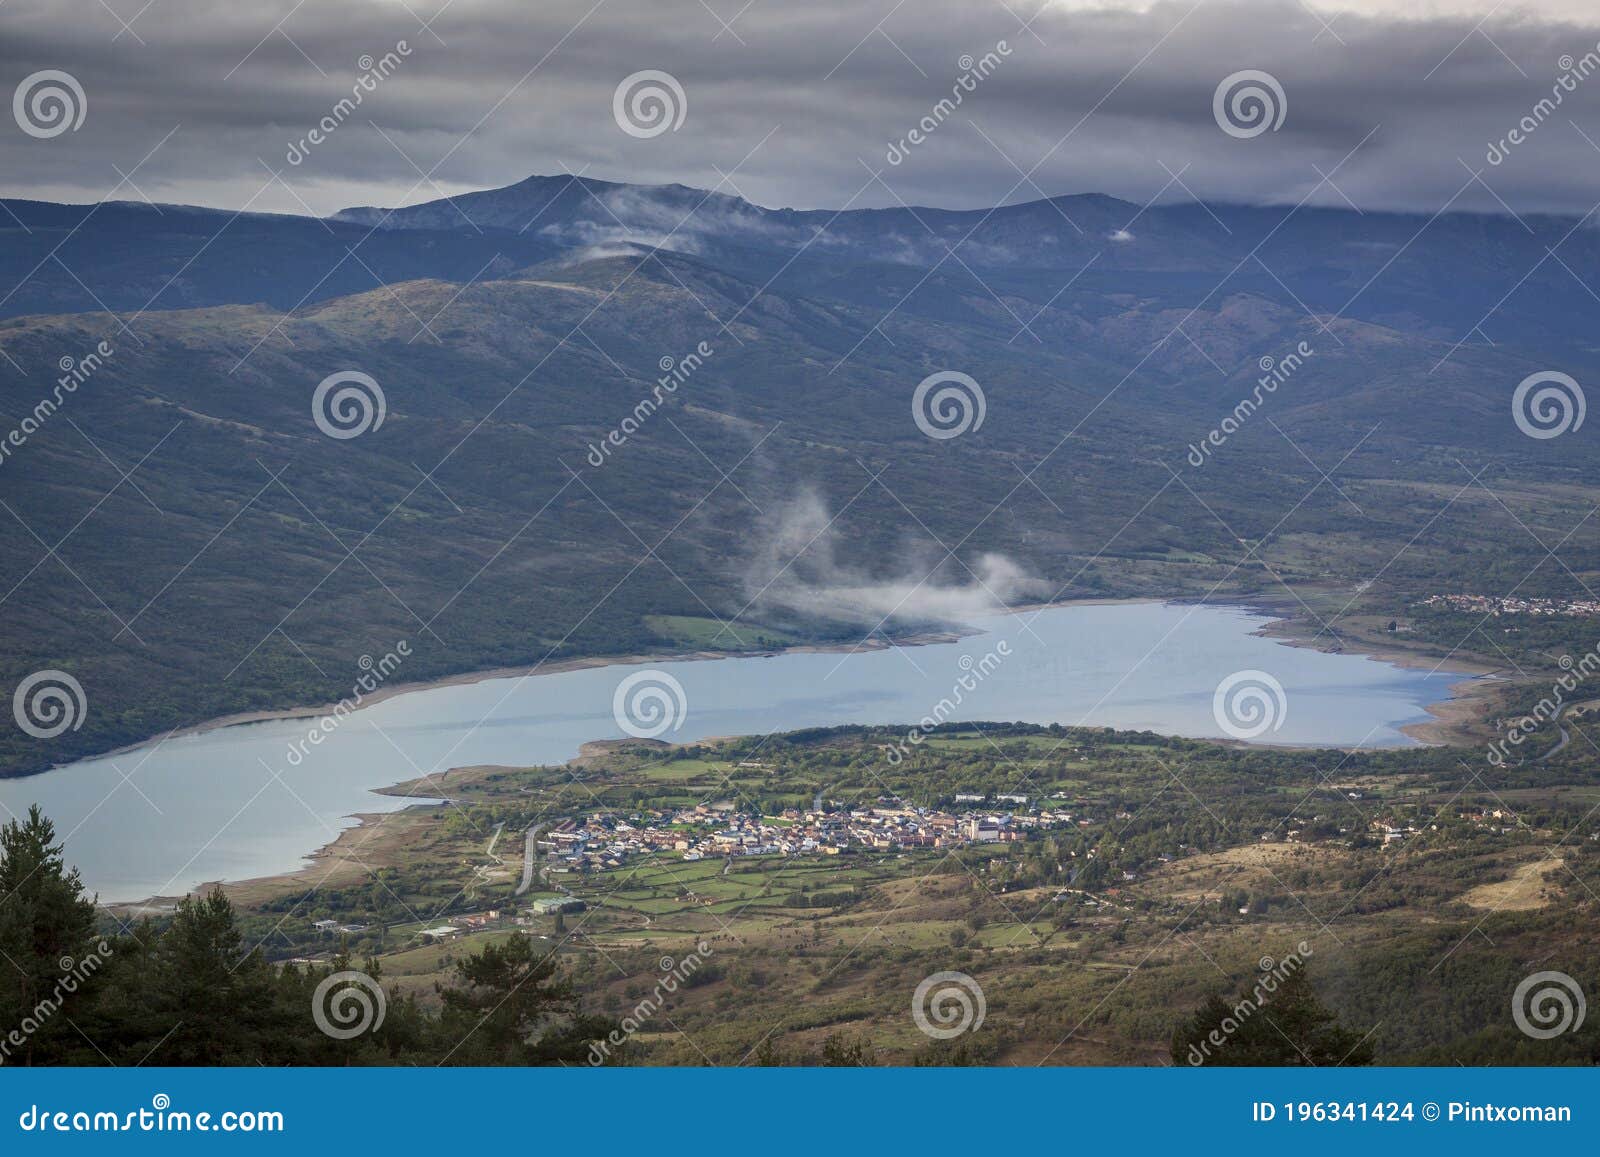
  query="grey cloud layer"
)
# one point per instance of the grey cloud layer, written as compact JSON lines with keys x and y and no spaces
{"x":1103,"y":101}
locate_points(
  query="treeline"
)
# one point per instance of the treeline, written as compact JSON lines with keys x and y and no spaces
{"x":196,"y":993}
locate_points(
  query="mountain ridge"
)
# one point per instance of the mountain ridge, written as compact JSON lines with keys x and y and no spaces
{"x":476,"y":510}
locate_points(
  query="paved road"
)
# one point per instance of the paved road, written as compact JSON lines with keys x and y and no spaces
{"x":1566,"y":736}
{"x":527,"y":861}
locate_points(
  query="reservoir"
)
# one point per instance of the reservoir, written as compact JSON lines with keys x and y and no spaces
{"x":240,"y":802}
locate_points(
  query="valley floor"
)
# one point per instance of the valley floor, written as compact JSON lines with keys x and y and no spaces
{"x":1153,"y":872}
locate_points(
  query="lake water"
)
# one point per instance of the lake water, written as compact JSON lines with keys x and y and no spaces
{"x":230,"y":804}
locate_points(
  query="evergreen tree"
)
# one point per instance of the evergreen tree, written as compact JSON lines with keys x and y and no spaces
{"x":512,"y":1007}
{"x":46,"y":933}
{"x":216,"y":998}
{"x":1287,"y":1027}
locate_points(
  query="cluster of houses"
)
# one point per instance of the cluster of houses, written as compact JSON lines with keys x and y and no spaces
{"x":492,"y":918}
{"x":1501,"y":820}
{"x":335,"y":928}
{"x":1388,"y":830}
{"x":1393,"y":833}
{"x":1393,"y":830}
{"x":1493,"y":605}
{"x":719,"y":830}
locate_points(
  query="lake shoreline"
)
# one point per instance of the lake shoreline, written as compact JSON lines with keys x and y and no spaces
{"x":1457,"y":719}
{"x":1283,"y":628}
{"x":584,"y":663}
{"x":558,"y":667}
{"x":382,"y":834}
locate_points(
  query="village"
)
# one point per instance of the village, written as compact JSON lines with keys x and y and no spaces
{"x":566,"y":859}
{"x":710,"y":830}
{"x":576,"y":849}
{"x":1509,"y":605}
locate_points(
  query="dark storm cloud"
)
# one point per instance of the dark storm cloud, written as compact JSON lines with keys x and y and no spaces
{"x":805,"y":100}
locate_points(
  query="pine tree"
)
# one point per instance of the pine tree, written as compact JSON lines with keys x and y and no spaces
{"x":1288,"y":1027}
{"x":507,"y":995}
{"x":46,"y":930}
{"x":216,"y":996}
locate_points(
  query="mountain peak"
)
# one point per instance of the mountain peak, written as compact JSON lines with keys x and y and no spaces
{"x":588,"y":214}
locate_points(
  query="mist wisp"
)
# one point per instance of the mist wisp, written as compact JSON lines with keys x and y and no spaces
{"x":797,"y":569}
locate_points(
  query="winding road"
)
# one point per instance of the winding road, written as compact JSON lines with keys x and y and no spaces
{"x":528,"y":870}
{"x":1566,"y":736}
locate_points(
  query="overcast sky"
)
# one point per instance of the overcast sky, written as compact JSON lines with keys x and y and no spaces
{"x":797,"y":104}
